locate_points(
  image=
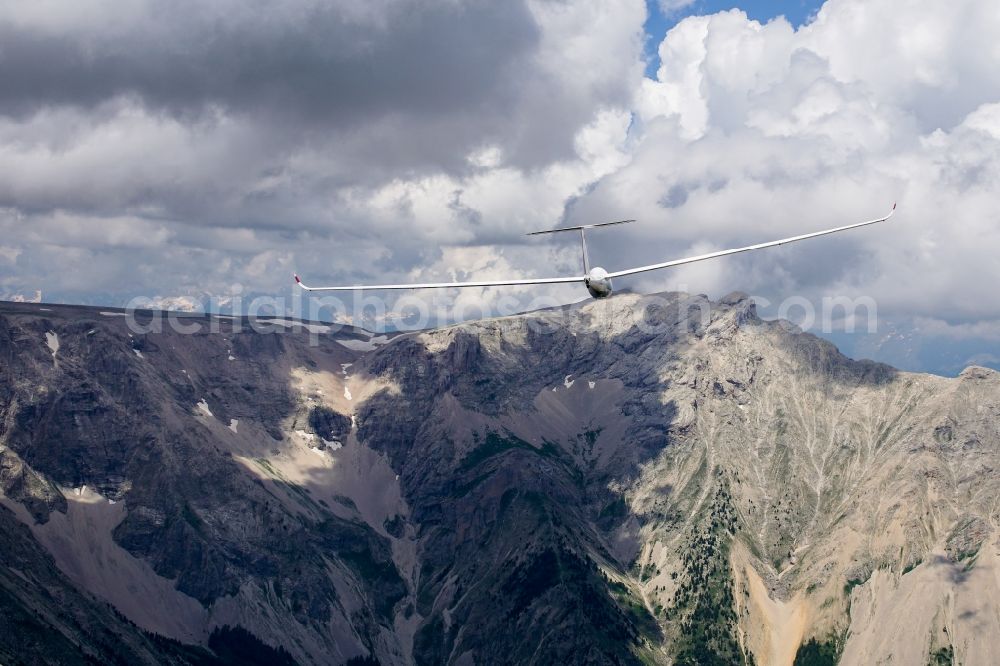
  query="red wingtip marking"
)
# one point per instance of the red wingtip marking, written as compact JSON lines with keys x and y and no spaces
{"x":297,"y":280}
{"x":894,"y":205}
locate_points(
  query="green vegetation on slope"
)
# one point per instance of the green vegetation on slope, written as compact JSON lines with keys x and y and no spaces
{"x":702,"y":613}
{"x":815,"y":653}
{"x":236,"y":645}
{"x":496,"y":444}
{"x":943,"y":656}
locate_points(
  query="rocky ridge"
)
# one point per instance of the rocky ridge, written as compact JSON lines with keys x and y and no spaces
{"x":648,"y":478}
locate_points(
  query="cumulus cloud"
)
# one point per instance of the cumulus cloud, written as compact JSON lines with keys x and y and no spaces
{"x":194,"y":146}
{"x":754,"y":131}
{"x":190,"y":149}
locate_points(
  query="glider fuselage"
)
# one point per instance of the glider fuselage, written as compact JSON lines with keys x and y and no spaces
{"x":598,"y":283}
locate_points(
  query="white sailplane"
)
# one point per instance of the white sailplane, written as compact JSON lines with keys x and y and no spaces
{"x":596,"y":279}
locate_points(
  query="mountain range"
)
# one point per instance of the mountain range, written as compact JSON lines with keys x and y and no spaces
{"x":656,"y":479}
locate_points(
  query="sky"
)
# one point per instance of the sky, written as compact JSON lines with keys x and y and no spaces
{"x":662,"y":15}
{"x":189,"y":152}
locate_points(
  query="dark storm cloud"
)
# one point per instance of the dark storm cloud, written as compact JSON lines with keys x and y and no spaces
{"x":433,"y":79}
{"x":216,"y":142}
{"x":315,"y":64}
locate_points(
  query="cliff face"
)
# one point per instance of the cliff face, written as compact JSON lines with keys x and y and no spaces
{"x":644,"y":478}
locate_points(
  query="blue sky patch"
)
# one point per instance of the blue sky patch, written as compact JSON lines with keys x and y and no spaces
{"x":798,"y":12}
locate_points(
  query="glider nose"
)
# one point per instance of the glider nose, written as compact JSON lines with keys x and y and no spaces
{"x":598,"y":283}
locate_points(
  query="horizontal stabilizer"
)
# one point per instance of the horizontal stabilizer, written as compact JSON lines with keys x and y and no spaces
{"x":582,"y":226}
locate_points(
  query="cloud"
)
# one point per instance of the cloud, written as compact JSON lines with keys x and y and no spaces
{"x":388,"y":86}
{"x":181,"y":143}
{"x":181,"y":57}
{"x":669,"y":7}
{"x":755,"y":131}
{"x":182,"y":149}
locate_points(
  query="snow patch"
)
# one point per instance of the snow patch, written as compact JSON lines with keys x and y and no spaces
{"x":308,"y":436}
{"x":347,"y":392}
{"x":292,"y":323}
{"x":203,"y":407}
{"x":364,"y":345}
{"x":45,"y":309}
{"x":113,"y":314}
{"x":567,"y":382}
{"x":137,"y":353}
{"x":233,"y":424}
{"x":332,"y":445}
{"x":591,"y":384}
{"x":320,"y":452}
{"x":52,"y":340}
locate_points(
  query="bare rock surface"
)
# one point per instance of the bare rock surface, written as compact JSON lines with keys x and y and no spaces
{"x":656,"y":479}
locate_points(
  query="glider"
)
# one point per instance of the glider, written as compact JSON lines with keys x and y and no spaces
{"x":596,"y":279}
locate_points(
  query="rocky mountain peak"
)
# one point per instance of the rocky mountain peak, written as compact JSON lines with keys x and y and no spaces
{"x":657,"y":479}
